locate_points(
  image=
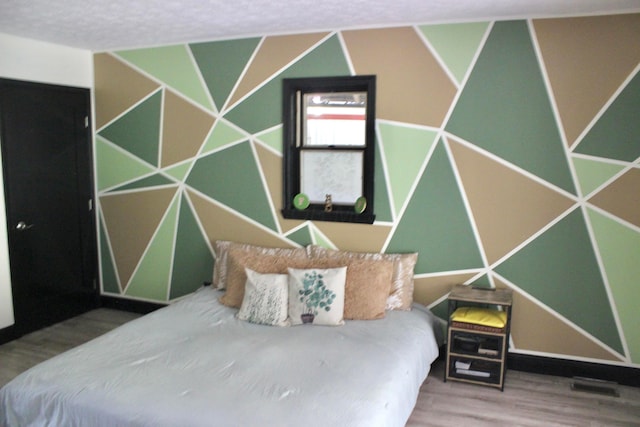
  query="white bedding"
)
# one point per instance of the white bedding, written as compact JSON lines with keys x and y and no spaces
{"x":194,"y":364}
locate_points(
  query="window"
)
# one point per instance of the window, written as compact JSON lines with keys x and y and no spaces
{"x":329,"y":142}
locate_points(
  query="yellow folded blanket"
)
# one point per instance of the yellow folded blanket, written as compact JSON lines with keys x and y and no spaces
{"x":480,"y":316}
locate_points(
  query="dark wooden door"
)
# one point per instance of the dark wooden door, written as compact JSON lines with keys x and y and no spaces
{"x":47,"y":163}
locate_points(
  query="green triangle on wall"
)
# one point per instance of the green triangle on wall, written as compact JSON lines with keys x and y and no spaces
{"x":619,"y":248}
{"x":301,"y":236}
{"x":382,"y":203}
{"x":593,"y":173}
{"x":616,"y":135}
{"x":405,"y":150}
{"x":138,"y":131}
{"x":259,"y":111}
{"x":193,"y":261}
{"x":320,"y":239}
{"x":482,"y":282}
{"x":156,"y":180}
{"x":109,"y":278}
{"x":151,"y":278}
{"x":115,"y":166}
{"x":221,"y":64}
{"x":180,"y":171}
{"x":173,"y":66}
{"x":436,"y":222}
{"x":505,"y":107}
{"x":231,"y":176}
{"x":560,"y":269}
{"x":272,"y":137}
{"x":222,"y":134}
{"x":456,"y":44}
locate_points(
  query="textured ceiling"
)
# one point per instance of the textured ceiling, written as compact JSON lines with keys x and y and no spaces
{"x":115,"y":24}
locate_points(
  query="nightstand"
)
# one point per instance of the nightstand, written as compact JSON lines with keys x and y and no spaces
{"x":477,"y":353}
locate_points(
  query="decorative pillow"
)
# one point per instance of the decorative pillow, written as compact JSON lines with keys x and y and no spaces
{"x":221,"y":250}
{"x":266,"y":299}
{"x":367,"y":288}
{"x":316,"y":296}
{"x":261,"y":260}
{"x":401,"y":291}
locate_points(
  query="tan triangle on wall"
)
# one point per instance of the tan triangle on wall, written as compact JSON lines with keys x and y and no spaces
{"x":131,"y":220}
{"x":587,"y":59}
{"x":535,"y":329}
{"x":411,"y":86}
{"x":427,"y":290}
{"x":117,"y":87}
{"x":355,"y":237}
{"x":508,"y":207}
{"x":274,"y":53}
{"x":619,"y":196}
{"x":221,"y":224}
{"x":184,"y":129}
{"x":271,"y":165}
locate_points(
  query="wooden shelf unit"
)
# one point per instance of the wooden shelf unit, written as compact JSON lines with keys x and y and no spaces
{"x":477,"y":354}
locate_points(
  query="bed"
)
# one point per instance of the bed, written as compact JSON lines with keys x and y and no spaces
{"x":196,"y":363}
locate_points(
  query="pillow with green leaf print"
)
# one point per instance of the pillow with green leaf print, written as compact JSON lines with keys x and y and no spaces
{"x":316,"y":296}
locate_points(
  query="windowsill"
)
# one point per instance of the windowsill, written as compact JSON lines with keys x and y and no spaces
{"x":334,"y":216}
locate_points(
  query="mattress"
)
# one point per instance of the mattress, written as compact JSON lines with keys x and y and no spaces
{"x":193,"y":363}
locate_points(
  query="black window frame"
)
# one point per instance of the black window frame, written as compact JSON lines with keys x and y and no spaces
{"x":293,"y":90}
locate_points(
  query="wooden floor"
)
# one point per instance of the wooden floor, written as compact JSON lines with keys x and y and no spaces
{"x":528,"y":399}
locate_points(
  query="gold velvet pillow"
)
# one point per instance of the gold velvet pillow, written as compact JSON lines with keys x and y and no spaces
{"x":400,"y":295}
{"x":367,"y":288}
{"x":260,"y":260}
{"x":221,"y":250}
{"x":367,"y":285}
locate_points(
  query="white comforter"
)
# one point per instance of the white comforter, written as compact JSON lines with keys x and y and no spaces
{"x":194,"y":364}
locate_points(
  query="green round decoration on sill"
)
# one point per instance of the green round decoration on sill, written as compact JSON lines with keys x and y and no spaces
{"x":301,"y":201}
{"x":360,"y":205}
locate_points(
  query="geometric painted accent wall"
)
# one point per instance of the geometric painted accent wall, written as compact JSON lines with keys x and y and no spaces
{"x":507,"y":155}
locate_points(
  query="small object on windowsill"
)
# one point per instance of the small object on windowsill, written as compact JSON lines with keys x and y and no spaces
{"x":301,"y":201}
{"x":360,"y":205}
{"x":328,"y":203}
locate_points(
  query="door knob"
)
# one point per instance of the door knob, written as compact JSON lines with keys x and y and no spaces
{"x":21,"y":226}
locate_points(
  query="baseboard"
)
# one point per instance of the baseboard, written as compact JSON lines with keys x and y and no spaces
{"x":623,"y":375}
{"x":134,"y":306}
{"x":9,"y":333}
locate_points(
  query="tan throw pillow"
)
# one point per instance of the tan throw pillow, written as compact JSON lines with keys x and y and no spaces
{"x":221,"y":250}
{"x":367,"y":288}
{"x":367,"y":285}
{"x":271,"y":261}
{"x":401,"y":292}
